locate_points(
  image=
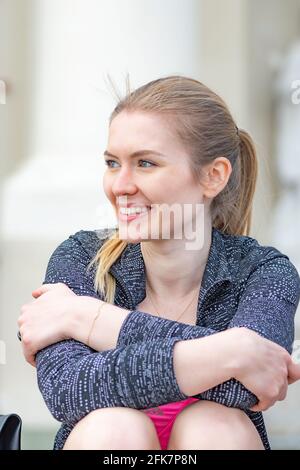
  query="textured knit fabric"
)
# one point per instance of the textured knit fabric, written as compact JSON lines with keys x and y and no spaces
{"x":244,"y":284}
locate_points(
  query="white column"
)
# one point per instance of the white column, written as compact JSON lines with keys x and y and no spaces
{"x":58,"y":189}
{"x":13,"y":83}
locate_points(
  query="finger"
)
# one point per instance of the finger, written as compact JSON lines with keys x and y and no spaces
{"x":283,"y":392}
{"x":255,"y":408}
{"x":36,"y":294}
{"x":43,"y":289}
{"x":293,"y":372}
{"x":31,"y":361}
{"x":262,"y":405}
{"x":30,"y":358}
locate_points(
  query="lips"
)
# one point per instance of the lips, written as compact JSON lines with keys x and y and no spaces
{"x":128,"y":217}
{"x":134,"y":205}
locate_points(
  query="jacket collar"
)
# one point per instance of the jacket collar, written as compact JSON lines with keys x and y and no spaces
{"x":129,"y":270}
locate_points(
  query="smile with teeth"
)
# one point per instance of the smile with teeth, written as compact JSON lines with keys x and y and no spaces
{"x":133,"y":210}
{"x":127,"y":214}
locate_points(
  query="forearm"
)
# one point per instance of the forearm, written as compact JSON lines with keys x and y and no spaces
{"x":208,"y":377}
{"x":74,"y":381}
{"x":141,"y":326}
{"x":102,"y":333}
{"x":204,"y":369}
{"x":200,"y":364}
{"x":199,"y":370}
{"x":116,"y":326}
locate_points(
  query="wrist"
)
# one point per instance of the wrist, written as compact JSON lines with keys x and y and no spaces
{"x":80,"y":318}
{"x":234,"y":359}
{"x":106,"y":328}
{"x":203,"y":363}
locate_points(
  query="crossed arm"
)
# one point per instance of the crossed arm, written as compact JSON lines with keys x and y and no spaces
{"x":139,"y":373}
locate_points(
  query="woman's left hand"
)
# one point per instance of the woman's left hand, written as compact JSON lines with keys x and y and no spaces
{"x":44,"y":321}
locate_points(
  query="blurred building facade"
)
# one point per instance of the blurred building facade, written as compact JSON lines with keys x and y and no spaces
{"x":54,"y":126}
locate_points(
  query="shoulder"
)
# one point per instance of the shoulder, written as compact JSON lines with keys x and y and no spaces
{"x":84,"y":242}
{"x":70,"y":261}
{"x":247,"y":251}
{"x":91,"y":240}
{"x":250,"y":259}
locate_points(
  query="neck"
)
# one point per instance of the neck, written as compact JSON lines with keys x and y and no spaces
{"x":172,"y":271}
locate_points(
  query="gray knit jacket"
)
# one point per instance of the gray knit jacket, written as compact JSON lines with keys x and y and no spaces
{"x":244,"y":284}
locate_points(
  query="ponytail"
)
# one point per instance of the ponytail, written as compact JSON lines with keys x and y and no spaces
{"x":231,"y":209}
{"x":104,"y":282}
{"x":248,"y":179}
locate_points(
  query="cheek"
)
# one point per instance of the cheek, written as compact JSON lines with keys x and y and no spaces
{"x":107,"y":184}
{"x":174,"y":190}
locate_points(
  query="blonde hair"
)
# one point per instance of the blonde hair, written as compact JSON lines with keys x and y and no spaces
{"x":202,"y":122}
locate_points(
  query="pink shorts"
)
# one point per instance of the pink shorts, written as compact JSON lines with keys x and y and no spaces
{"x":163,"y":418}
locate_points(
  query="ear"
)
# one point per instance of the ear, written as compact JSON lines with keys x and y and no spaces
{"x":216,"y":176}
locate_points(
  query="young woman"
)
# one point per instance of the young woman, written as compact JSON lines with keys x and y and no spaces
{"x":148,"y":341}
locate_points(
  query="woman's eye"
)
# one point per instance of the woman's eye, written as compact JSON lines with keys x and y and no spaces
{"x":107,"y":162}
{"x":110,"y":162}
{"x":146,"y":161}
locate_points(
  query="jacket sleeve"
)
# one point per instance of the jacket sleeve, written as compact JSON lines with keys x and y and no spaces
{"x":270,"y":300}
{"x":75,"y":380}
{"x":267,"y":306}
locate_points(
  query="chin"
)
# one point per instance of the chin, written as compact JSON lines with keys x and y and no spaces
{"x":132,"y":234}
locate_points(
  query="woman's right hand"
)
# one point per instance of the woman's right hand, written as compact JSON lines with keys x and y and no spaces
{"x":263,"y":367}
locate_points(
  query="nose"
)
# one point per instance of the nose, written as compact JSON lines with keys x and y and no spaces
{"x":123,"y":183}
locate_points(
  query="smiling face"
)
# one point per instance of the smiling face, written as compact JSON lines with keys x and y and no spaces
{"x":160,"y":178}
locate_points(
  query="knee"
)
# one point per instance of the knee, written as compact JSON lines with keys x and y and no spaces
{"x":222,"y":415}
{"x":113,"y":428}
{"x":209,"y":425}
{"x":233,"y":428}
{"x":221,"y":420}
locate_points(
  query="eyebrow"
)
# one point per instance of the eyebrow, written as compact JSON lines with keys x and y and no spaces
{"x":138,"y":153}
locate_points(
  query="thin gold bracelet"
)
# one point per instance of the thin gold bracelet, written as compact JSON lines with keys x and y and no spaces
{"x":94,"y":321}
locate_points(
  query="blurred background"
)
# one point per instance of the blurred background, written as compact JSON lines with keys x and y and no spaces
{"x":54,"y":107}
